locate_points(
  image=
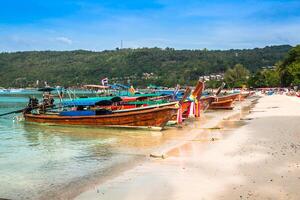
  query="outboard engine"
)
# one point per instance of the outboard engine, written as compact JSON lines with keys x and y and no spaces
{"x":32,"y":104}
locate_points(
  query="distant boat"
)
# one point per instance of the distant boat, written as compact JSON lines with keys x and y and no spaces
{"x":13,"y":90}
{"x":220,"y":102}
{"x":233,"y":97}
{"x":3,"y":90}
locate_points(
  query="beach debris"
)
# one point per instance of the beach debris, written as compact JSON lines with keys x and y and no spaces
{"x":179,"y":126}
{"x":256,"y":111}
{"x":154,"y":155}
{"x":204,"y":140}
{"x":272,"y":107}
{"x":247,"y":118}
{"x":215,"y":127}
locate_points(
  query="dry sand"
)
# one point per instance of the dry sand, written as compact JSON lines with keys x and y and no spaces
{"x":256,"y":157}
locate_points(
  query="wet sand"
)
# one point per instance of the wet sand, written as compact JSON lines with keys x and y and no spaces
{"x":242,"y":157}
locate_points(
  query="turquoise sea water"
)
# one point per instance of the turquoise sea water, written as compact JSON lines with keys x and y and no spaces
{"x":37,"y":160}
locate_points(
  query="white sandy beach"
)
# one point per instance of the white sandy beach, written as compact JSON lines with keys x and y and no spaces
{"x":256,"y":157}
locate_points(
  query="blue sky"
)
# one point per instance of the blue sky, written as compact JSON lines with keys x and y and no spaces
{"x":181,"y":24}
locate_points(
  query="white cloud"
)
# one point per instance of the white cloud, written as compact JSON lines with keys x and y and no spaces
{"x":64,"y":40}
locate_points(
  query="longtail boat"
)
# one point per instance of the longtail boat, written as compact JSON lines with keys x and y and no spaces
{"x":222,"y":102}
{"x":94,"y":112}
{"x":145,"y":117}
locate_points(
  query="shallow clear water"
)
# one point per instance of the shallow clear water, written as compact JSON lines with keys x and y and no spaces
{"x":38,"y":160}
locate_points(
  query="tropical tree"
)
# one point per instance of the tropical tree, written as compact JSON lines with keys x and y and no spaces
{"x":289,"y":69}
{"x":272,"y":78}
{"x":257,"y":80}
{"x":294,"y":71}
{"x":236,"y":76}
{"x":265,"y":78}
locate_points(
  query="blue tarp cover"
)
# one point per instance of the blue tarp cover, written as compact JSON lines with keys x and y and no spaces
{"x":77,"y":113}
{"x":90,"y":101}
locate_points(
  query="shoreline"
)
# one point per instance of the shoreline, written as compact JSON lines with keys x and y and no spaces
{"x":207,"y":122}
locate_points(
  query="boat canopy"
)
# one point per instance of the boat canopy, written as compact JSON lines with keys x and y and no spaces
{"x":118,"y":86}
{"x":101,"y":101}
{"x":147,"y":95}
{"x":178,"y":95}
{"x":129,"y":99}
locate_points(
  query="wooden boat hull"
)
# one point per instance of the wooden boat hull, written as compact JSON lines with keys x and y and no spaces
{"x":223,"y":102}
{"x":144,"y":118}
{"x":228,"y":97}
{"x":226,"y":104}
{"x":214,"y":103}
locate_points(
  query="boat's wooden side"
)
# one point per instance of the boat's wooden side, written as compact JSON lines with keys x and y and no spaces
{"x":222,"y":102}
{"x":155,"y":117}
{"x":226,"y":104}
{"x":227,"y":97}
{"x":243,"y":96}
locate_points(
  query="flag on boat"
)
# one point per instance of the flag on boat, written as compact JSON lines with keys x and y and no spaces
{"x":104,"y":81}
{"x":131,"y":90}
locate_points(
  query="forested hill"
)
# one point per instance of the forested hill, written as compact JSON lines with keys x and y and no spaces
{"x":141,"y":66}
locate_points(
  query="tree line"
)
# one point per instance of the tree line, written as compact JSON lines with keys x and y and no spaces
{"x":285,"y":73}
{"x":140,"y":67}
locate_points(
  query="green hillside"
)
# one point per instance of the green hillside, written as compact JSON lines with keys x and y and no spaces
{"x":140,"y":66}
